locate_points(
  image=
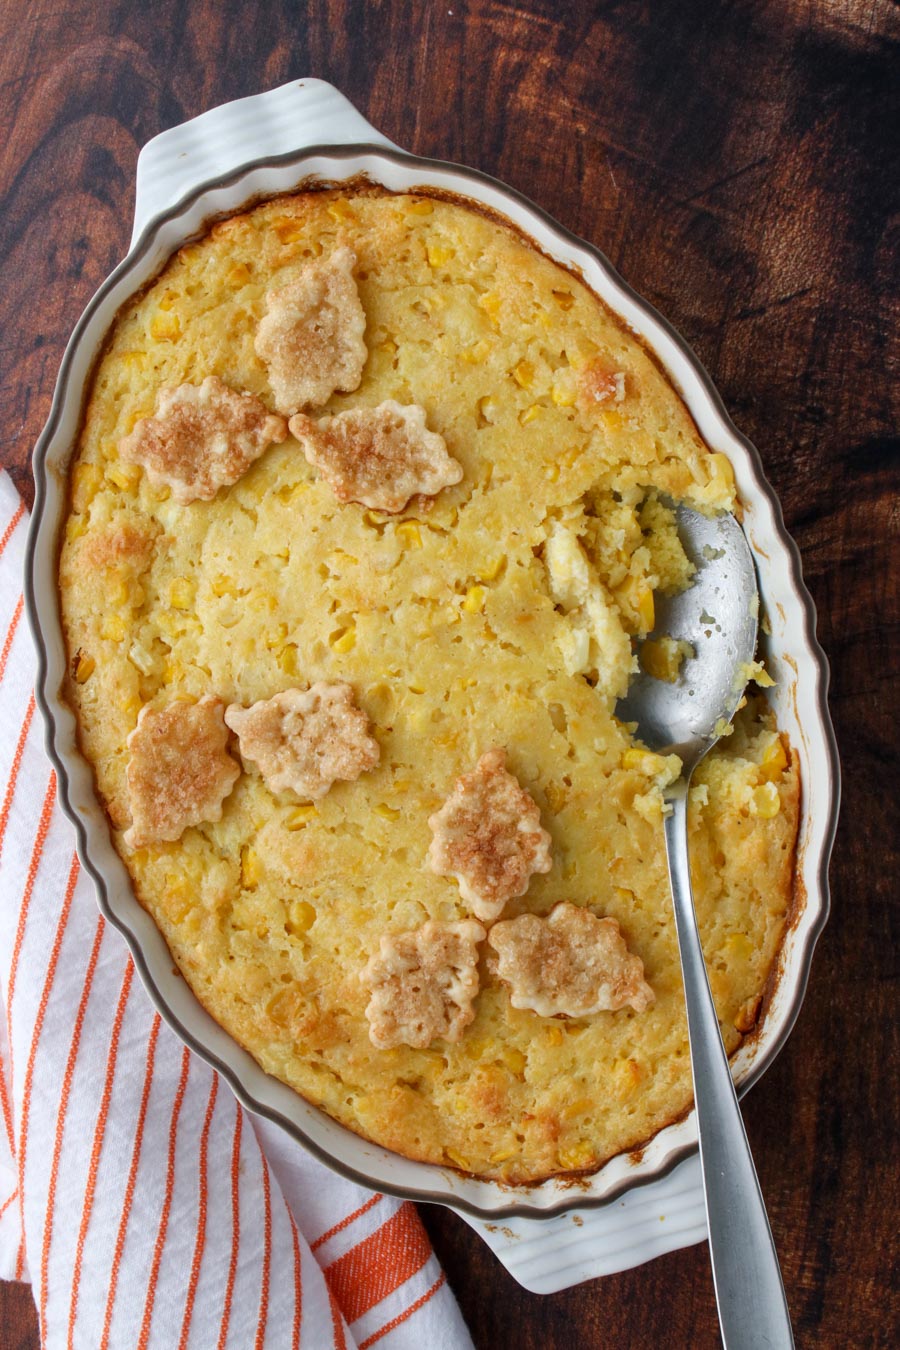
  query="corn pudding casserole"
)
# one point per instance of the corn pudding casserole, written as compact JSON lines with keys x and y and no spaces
{"x":367,"y":516}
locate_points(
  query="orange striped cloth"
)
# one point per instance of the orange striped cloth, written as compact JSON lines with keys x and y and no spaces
{"x":146,"y":1208}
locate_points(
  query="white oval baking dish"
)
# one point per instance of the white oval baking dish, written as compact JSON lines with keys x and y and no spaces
{"x":211,"y":167}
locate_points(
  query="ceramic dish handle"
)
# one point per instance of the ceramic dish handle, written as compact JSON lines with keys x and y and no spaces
{"x":279,"y":122}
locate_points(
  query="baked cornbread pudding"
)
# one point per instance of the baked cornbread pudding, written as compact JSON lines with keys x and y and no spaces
{"x":368,"y":513}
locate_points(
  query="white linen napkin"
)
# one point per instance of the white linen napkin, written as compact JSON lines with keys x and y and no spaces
{"x":145,"y":1206}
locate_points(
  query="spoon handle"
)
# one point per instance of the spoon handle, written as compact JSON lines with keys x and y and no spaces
{"x":753,"y":1311}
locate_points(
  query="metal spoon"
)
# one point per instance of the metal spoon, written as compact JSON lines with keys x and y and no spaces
{"x":717,"y":615}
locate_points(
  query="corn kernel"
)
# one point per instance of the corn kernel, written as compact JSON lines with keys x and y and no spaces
{"x":626,"y":1078}
{"x":124,"y":476}
{"x":223,"y":585}
{"x":474,"y":601}
{"x":578,"y":1156}
{"x":461,"y":1162}
{"x":113,"y":628}
{"x":289,"y":491}
{"x":275,"y":640}
{"x":165,"y":327}
{"x":238,"y":275}
{"x":190,"y":253}
{"x":167,"y":300}
{"x":409,"y":533}
{"x":118,"y":591}
{"x":555,"y":1035}
{"x":646,"y":608}
{"x":504,"y":1155}
{"x":181,"y":593}
{"x":585,"y":349}
{"x":774,"y":761}
{"x":492,"y":570}
{"x":577,"y":1108}
{"x":612,"y":419}
{"x":389,"y":347}
{"x":134,"y":360}
{"x":283,"y":1007}
{"x":301,"y":917}
{"x":340,"y":209}
{"x":530,"y":414}
{"x":739,"y":945}
{"x":439,"y":254}
{"x":645,"y":761}
{"x":721,"y":466}
{"x":765,"y":801}
{"x":475,"y":354}
{"x":178,"y":899}
{"x":131,"y":706}
{"x":289,"y":232}
{"x":523,"y":374}
{"x":565,"y":299}
{"x":387,"y":812}
{"x":376,"y":519}
{"x":86,"y":484}
{"x":421,"y":207}
{"x":490,"y":303}
{"x":301,"y":816}
{"x":514,"y":1060}
{"x":142,"y":659}
{"x":288,"y":661}
{"x":563,"y":395}
{"x":130,"y":703}
{"x":84,"y":668}
{"x":662,"y":658}
{"x":251,"y":867}
{"x":486,"y":411}
{"x":344,"y":641}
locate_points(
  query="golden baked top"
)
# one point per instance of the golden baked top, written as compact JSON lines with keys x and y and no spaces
{"x":481,"y":621}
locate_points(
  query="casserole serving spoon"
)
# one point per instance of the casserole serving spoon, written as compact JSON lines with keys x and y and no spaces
{"x":717,"y":617}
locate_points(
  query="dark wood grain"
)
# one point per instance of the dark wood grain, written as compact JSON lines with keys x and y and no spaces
{"x":735,"y":160}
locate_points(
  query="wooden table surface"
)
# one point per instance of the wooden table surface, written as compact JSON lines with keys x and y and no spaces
{"x":734,"y":161}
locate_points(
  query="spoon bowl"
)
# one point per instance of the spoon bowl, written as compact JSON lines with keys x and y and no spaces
{"x":717,"y":616}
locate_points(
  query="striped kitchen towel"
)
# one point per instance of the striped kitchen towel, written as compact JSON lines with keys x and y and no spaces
{"x":144,"y":1205}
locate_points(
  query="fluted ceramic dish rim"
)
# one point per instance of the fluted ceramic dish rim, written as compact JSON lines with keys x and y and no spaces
{"x":350,"y":1154}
